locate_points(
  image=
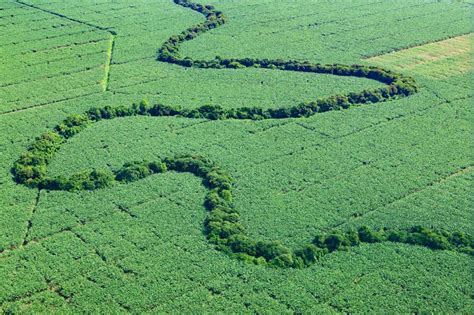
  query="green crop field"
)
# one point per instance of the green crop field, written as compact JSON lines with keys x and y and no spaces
{"x":290,"y":156}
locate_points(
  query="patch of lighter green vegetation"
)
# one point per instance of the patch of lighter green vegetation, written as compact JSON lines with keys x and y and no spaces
{"x":437,"y":60}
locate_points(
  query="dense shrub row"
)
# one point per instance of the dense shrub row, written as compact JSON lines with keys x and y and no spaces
{"x":436,"y":239}
{"x":216,"y":112}
{"x":30,"y":168}
{"x":396,"y":84}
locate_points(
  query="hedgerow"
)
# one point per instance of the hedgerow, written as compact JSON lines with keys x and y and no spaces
{"x":222,"y":226}
{"x":436,"y":239}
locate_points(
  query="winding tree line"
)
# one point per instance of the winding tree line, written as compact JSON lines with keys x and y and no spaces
{"x":397,"y":85}
{"x":222,"y":226}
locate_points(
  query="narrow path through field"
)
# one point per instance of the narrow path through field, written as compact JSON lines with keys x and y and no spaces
{"x":108,"y":62}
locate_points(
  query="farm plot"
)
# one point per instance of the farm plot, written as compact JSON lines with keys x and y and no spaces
{"x":145,"y":245}
{"x":320,"y":34}
{"x":46,"y":58}
{"x":66,"y":57}
{"x":438,"y":60}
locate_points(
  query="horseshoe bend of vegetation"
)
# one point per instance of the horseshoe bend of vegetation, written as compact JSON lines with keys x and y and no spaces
{"x":222,"y":225}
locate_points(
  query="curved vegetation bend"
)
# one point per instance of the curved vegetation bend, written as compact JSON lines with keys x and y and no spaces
{"x":222,"y":226}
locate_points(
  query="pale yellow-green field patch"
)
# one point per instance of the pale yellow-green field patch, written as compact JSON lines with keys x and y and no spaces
{"x":438,"y":60}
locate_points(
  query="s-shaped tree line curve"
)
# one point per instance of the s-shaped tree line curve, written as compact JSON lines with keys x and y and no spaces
{"x":222,"y":226}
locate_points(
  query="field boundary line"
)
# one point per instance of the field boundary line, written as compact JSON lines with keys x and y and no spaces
{"x":38,"y":240}
{"x":63,"y":16}
{"x":58,"y":47}
{"x":47,"y":103}
{"x":27,"y":41}
{"x":51,"y":76}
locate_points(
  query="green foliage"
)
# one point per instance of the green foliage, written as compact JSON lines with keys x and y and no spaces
{"x":109,"y":112}
{"x":89,"y":180}
{"x":271,"y":249}
{"x":28,"y":174}
{"x":367,"y":235}
{"x":196,"y":165}
{"x":214,"y":200}
{"x":427,"y":237}
{"x":422,"y":236}
{"x":133,"y":171}
{"x":309,"y":254}
{"x":283,"y":260}
{"x":45,"y":146}
{"x":72,"y":125}
{"x":217,"y":178}
{"x":157,"y":167}
{"x":30,"y":168}
{"x":240,"y":243}
{"x":163,"y":110}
